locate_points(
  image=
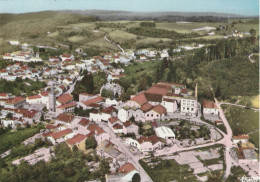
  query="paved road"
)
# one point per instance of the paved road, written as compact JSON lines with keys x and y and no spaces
{"x":123,"y":148}
{"x":73,"y":85}
{"x":5,"y":154}
{"x":237,"y":105}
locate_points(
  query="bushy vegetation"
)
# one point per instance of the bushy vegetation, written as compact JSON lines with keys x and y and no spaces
{"x":66,"y":166}
{"x":18,"y":86}
{"x":159,"y":33}
{"x":11,"y":139}
{"x":148,"y":24}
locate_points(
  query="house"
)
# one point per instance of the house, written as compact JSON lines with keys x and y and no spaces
{"x":240,"y":138}
{"x":44,"y":97}
{"x":66,"y":107}
{"x":92,"y":103}
{"x":14,"y":42}
{"x":78,"y":141}
{"x":171,"y":105}
{"x":146,"y":144}
{"x":15,"y":102}
{"x":98,"y":132}
{"x":52,"y":59}
{"x":9,"y":122}
{"x":83,"y":125}
{"x":64,"y":119}
{"x":130,"y":127}
{"x":189,"y":106}
{"x":154,"y":112}
{"x":164,"y":132}
{"x":151,"y":143}
{"x":4,"y":95}
{"x":64,"y":99}
{"x":125,"y":174}
{"x":115,"y":125}
{"x":66,"y":56}
{"x":210,"y":108}
{"x":94,"y":115}
{"x":28,"y":115}
{"x":107,"y":113}
{"x":126,"y":113}
{"x":60,"y":136}
{"x":36,"y":99}
{"x":246,"y":154}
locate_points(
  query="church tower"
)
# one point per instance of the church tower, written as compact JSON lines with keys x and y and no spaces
{"x":52,"y":100}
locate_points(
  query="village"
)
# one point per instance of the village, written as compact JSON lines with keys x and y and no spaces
{"x":165,"y":121}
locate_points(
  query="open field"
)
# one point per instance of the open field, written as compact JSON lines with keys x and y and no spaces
{"x":241,"y":120}
{"x":253,"y":101}
{"x":255,"y":137}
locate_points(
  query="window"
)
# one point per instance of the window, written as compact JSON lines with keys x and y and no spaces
{"x":192,"y":109}
{"x":183,"y":108}
{"x":157,"y":115}
{"x":147,"y":115}
{"x":152,"y":115}
{"x":188,"y":108}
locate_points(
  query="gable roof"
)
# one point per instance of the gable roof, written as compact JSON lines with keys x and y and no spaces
{"x":139,"y":99}
{"x":146,"y":107}
{"x":117,"y":126}
{"x":76,"y":139}
{"x":209,"y":104}
{"x":60,"y":134}
{"x":65,"y":118}
{"x":109,"y":110}
{"x":96,"y":129}
{"x":84,"y":122}
{"x":65,"y":98}
{"x":64,"y":106}
{"x":153,"y":139}
{"x":159,"y":109}
{"x":34,"y":97}
{"x":126,"y":168}
{"x":93,"y":101}
{"x":112,"y":120}
{"x":45,"y":94}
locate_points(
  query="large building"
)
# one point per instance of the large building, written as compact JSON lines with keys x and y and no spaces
{"x":52,"y":100}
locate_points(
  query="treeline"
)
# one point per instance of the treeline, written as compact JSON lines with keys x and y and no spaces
{"x":148,"y":24}
{"x":159,"y":33}
{"x":109,"y":25}
{"x":18,"y":86}
{"x":90,"y":83}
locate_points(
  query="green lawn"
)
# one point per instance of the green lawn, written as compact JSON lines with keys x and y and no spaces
{"x":241,"y":120}
{"x":169,"y":170}
{"x":11,"y":139}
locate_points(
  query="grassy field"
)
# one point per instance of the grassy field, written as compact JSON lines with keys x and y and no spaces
{"x":255,"y":137}
{"x":169,"y":170}
{"x":241,"y":120}
{"x":244,"y":100}
{"x":11,"y":139}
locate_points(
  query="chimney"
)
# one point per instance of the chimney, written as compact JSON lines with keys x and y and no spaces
{"x":196,"y":90}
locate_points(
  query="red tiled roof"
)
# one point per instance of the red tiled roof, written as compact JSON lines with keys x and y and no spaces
{"x":146,"y":107}
{"x":139,"y":99}
{"x":168,"y":87}
{"x":153,"y":139}
{"x":26,"y":113}
{"x":84,"y":122}
{"x":184,"y":91}
{"x":66,"y":55}
{"x":158,"y":91}
{"x":168,"y":100}
{"x":209,"y":104}
{"x":15,"y":100}
{"x":47,"y":134}
{"x":109,"y":110}
{"x":50,"y":126}
{"x":112,"y":120}
{"x":76,"y":139}
{"x":96,"y":129}
{"x":128,"y":123}
{"x":117,"y":126}
{"x":45,"y":94}
{"x":159,"y":109}
{"x":240,"y":137}
{"x":65,"y":118}
{"x":60,"y":134}
{"x":3,"y":94}
{"x":93,"y":101}
{"x":126,"y":168}
{"x":65,"y":98}
{"x":65,"y":106}
{"x":34,"y":97}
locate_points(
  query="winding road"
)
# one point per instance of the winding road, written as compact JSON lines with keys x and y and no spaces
{"x":249,"y":57}
{"x":226,"y":103}
{"x":122,"y":50}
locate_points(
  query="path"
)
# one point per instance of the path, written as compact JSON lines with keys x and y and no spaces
{"x":5,"y":154}
{"x":249,"y":57}
{"x":238,"y":105}
{"x":122,"y":50}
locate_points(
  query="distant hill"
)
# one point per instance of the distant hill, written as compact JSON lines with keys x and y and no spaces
{"x":159,"y":16}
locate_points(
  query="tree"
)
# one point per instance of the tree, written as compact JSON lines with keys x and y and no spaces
{"x":91,"y":143}
{"x":252,"y":32}
{"x":136,"y":177}
{"x":218,"y":92}
{"x":42,"y":118}
{"x":9,"y":115}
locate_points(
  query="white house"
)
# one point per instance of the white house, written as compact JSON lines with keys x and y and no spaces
{"x":240,"y":138}
{"x":170,"y":105}
{"x":210,"y":108}
{"x":60,"y":136}
{"x":36,"y":99}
